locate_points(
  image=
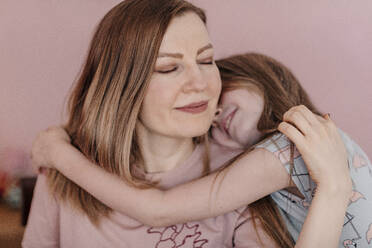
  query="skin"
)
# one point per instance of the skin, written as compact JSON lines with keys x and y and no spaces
{"x":185,"y":73}
{"x":246,"y":106}
{"x":315,"y":138}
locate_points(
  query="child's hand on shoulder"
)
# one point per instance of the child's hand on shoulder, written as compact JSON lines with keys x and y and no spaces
{"x":320,"y":145}
{"x":47,"y":143}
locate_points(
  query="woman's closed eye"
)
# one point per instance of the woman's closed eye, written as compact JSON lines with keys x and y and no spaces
{"x":208,"y":61}
{"x":173,"y":68}
{"x":167,"y":69}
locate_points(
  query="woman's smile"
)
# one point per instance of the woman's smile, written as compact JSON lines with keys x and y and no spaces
{"x":195,"y":107}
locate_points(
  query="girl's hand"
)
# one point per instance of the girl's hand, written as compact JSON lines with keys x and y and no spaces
{"x":45,"y":145}
{"x":321,"y":147}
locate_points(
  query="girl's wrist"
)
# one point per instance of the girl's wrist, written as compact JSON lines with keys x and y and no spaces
{"x":336,"y":189}
{"x":58,"y":151}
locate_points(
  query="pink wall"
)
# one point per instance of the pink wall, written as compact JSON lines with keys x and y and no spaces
{"x":326,"y":43}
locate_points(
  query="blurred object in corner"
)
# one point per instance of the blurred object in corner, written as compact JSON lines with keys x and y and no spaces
{"x":14,"y":165}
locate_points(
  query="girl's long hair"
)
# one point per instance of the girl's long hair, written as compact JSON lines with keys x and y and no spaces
{"x":106,"y":100}
{"x":281,"y":90}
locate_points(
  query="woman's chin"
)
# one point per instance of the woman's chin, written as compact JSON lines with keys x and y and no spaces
{"x":193,"y":133}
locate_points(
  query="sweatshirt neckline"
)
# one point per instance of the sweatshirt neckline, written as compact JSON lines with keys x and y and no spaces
{"x":163,"y":177}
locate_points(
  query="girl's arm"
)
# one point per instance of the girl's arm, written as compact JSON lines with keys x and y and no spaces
{"x":325,"y":219}
{"x":328,"y":168}
{"x":321,"y":228}
{"x":255,"y":175}
{"x":206,"y":197}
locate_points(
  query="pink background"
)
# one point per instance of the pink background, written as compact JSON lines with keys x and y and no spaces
{"x":328,"y":45}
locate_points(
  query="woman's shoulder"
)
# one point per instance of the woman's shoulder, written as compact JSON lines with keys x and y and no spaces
{"x":43,"y":220}
{"x":42,"y":192}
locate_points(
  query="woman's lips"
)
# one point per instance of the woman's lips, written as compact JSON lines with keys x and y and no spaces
{"x":194,"y":108}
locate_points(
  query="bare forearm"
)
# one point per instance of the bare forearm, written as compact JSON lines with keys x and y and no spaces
{"x":247,"y":180}
{"x":324,"y":222}
{"x":199,"y":199}
{"x":113,"y":191}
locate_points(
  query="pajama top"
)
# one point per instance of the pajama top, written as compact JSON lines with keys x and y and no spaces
{"x":357,"y":229}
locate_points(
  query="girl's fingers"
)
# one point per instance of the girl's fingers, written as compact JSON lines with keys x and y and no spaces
{"x":310,"y":116}
{"x":319,"y":123}
{"x":319,"y":142}
{"x":294,"y":135}
{"x":297,"y":119}
{"x":327,"y":124}
{"x":310,"y":124}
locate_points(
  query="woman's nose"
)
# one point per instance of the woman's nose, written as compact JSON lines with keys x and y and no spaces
{"x":195,"y":80}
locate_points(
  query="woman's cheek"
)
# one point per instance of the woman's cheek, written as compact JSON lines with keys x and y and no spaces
{"x":217,"y":83}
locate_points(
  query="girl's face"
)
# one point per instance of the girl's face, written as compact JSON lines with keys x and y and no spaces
{"x":185,"y":86}
{"x":236,"y":126}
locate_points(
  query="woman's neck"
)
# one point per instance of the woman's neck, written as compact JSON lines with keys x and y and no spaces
{"x":161,"y":153}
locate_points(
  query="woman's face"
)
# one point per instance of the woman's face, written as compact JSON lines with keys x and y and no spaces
{"x":236,"y":126}
{"x":185,"y":86}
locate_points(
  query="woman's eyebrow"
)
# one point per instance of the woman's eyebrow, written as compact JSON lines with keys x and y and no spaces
{"x":209,"y":46}
{"x":180,"y":55}
{"x":174,"y":55}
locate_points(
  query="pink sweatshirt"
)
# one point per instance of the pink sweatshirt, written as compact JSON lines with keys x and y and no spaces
{"x":55,"y":224}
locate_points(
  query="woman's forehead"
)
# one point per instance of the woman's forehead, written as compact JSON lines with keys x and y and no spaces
{"x":186,"y":32}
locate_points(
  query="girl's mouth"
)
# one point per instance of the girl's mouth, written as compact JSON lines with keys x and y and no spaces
{"x":226,"y":122}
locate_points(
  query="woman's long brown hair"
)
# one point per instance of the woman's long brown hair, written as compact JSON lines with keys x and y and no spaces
{"x":106,"y":100}
{"x":281,"y":90}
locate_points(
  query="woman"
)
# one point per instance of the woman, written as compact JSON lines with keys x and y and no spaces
{"x":163,"y":112}
{"x":128,"y":113}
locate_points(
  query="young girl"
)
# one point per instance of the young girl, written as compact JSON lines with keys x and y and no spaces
{"x":257,"y":91}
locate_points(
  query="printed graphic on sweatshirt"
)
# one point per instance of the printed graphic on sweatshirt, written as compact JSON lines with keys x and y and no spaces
{"x":183,"y":235}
